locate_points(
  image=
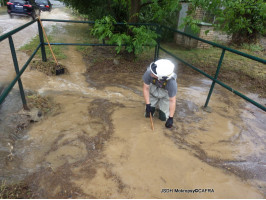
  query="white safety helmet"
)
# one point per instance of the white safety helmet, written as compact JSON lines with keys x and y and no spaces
{"x":162,"y":68}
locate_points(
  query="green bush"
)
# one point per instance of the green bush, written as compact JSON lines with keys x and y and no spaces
{"x":245,"y":20}
{"x":135,"y":38}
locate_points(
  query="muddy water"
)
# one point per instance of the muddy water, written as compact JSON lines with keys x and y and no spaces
{"x":7,"y":24}
{"x":99,"y":145}
{"x":6,"y":65}
{"x":12,"y":124}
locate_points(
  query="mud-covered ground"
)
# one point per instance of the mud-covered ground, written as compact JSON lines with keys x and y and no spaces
{"x":97,"y":144}
{"x":92,"y":140}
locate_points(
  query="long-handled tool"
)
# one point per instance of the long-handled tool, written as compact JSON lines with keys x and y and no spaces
{"x":151,"y":122}
{"x":59,"y":70}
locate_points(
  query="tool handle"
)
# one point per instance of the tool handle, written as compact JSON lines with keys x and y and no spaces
{"x":48,"y":41}
{"x":152,"y":127}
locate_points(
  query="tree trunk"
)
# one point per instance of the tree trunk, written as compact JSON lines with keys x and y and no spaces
{"x":134,"y":11}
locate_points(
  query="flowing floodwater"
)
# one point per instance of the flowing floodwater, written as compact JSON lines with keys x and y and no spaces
{"x":7,"y":24}
{"x":99,"y":145}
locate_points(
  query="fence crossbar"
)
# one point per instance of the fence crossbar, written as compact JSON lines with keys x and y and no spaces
{"x":6,"y":35}
{"x":93,"y":22}
{"x":186,"y":63}
{"x":89,"y":44}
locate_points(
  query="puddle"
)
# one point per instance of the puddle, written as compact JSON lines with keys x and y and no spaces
{"x":99,"y":145}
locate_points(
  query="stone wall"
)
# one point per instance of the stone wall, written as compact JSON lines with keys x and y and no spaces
{"x":209,"y":36}
{"x":188,"y":42}
{"x":199,"y":14}
{"x":192,"y":43}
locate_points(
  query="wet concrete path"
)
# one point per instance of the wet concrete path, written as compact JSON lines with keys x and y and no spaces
{"x":99,"y":145}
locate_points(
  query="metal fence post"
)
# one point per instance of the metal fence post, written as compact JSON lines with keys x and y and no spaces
{"x":215,"y":77}
{"x":15,"y":61}
{"x":156,"y":53}
{"x":44,"y":58}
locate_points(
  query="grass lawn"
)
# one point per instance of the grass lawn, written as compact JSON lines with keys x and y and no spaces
{"x":32,"y":45}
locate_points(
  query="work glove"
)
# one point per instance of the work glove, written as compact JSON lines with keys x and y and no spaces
{"x":149,"y":110}
{"x":169,"y":122}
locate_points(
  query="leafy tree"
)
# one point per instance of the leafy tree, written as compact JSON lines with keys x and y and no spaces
{"x":245,"y":20}
{"x":126,"y":10}
{"x":139,"y":38}
{"x":97,"y":9}
{"x":3,"y":2}
{"x":108,"y":12}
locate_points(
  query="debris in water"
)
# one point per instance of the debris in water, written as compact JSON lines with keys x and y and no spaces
{"x":43,"y":105}
{"x":50,"y":68}
{"x":10,"y":156}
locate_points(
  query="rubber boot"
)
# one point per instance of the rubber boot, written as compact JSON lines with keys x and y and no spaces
{"x":162,"y":116}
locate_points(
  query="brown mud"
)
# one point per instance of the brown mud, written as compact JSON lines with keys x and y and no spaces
{"x":99,"y":145}
{"x":49,"y":68}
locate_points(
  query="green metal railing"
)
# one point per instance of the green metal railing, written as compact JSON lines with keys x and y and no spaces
{"x":214,"y":79}
{"x":15,"y":62}
{"x":156,"y":56}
